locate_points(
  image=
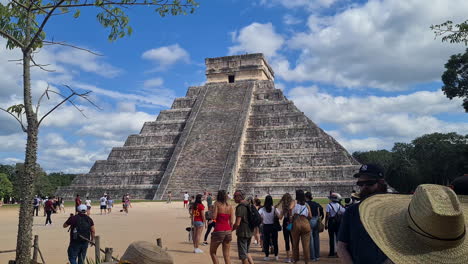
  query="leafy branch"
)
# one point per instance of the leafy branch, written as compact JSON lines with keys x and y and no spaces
{"x":453,"y":33}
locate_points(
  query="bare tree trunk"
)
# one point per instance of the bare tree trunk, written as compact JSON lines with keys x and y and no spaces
{"x":23,"y":243}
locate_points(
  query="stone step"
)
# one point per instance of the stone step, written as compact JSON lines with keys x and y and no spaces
{"x":123,"y":153}
{"x":285,"y":145}
{"x":163,"y":126}
{"x":129,"y":165}
{"x":152,"y":139}
{"x":315,"y":159}
{"x":278,"y":120}
{"x":183,"y":102}
{"x":174,"y":114}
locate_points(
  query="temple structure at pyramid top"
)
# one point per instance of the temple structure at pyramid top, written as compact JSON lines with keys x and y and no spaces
{"x":235,"y":132}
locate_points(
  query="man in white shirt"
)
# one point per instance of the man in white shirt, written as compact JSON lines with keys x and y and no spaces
{"x":103,"y":204}
{"x":335,"y":212}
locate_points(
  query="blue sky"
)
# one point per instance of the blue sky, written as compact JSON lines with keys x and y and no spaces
{"x":368,"y":72}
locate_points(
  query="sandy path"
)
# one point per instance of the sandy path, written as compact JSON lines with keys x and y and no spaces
{"x":146,"y":221}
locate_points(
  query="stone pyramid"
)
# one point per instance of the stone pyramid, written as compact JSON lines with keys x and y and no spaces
{"x":235,"y":132}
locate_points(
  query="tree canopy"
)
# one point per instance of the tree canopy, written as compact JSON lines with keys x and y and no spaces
{"x":455,"y":78}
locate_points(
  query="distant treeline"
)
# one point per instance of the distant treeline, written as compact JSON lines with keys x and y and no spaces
{"x":433,"y":158}
{"x":44,"y":184}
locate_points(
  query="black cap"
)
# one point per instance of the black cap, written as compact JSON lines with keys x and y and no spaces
{"x":372,"y":170}
{"x":460,"y":185}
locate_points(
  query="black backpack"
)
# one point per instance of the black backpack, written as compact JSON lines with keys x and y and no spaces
{"x":254,"y":217}
{"x":338,"y":215}
{"x":82,"y":228}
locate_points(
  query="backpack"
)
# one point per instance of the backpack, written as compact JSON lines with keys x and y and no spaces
{"x":36,"y":202}
{"x":338,"y":215}
{"x":82,"y":229}
{"x":254,"y":218}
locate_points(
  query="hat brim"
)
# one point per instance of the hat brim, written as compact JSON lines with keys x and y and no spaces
{"x":384,"y":218}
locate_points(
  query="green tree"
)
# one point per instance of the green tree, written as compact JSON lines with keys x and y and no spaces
{"x":23,"y":24}
{"x":382,"y":157}
{"x":455,"y":78}
{"x":6,"y":188}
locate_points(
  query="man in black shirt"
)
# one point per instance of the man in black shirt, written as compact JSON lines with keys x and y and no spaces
{"x":317,"y":216}
{"x":81,"y":232}
{"x":354,"y":243}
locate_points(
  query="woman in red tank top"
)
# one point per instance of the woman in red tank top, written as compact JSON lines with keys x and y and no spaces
{"x":224,"y":216}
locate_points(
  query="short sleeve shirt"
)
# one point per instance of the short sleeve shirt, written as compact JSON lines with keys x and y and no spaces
{"x":197,"y":213}
{"x":209,"y":200}
{"x":361,"y":247}
{"x":333,"y":208}
{"x":314,"y":208}
{"x":243,"y":230}
{"x":268,"y":218}
{"x":77,"y":202}
{"x":72,"y":221}
{"x":103,"y":200}
{"x":186,"y":196}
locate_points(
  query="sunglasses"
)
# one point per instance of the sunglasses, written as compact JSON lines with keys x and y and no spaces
{"x":366,"y":183}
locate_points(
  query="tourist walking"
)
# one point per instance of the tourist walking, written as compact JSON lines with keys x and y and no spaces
{"x":169,"y":197}
{"x":301,"y":227}
{"x":110,"y":204}
{"x":186,"y":198}
{"x":209,"y":223}
{"x":103,"y":204}
{"x":334,"y":214}
{"x":36,"y":203}
{"x":43,"y":202}
{"x":223,"y":213}
{"x":88,"y":206}
{"x":48,"y":209}
{"x":125,"y":204}
{"x":269,"y":215}
{"x":77,"y":202}
{"x":209,"y":200}
{"x":61,"y":204}
{"x":243,"y":231}
{"x":198,"y":217}
{"x":81,"y":230}
{"x":354,"y":243}
{"x":258,"y":230}
{"x":286,"y":204}
{"x":315,"y":221}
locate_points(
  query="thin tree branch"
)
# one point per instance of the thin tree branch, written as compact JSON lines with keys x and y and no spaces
{"x":71,"y":46}
{"x":63,"y":96}
{"x":113,"y":3}
{"x":41,"y":66}
{"x":18,"y":3}
{"x":41,"y":27}
{"x":42,"y":96}
{"x":10,"y":37}
{"x":55,"y":107}
{"x":17,"y":119}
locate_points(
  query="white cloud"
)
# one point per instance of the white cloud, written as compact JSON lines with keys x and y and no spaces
{"x":13,"y":143}
{"x":155,"y":82}
{"x":399,"y":117}
{"x":309,"y":4}
{"x":382,"y":44}
{"x":54,"y":139}
{"x":167,"y":56}
{"x":291,"y":20}
{"x":255,"y":38}
{"x":87,"y":62}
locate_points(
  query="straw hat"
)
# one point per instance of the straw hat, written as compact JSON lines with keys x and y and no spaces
{"x":427,"y":227}
{"x":335,"y":197}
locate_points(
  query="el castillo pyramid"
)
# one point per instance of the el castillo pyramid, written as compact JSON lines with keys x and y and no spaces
{"x":235,"y":132}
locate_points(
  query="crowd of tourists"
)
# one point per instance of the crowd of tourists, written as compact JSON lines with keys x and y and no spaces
{"x":426,"y":227}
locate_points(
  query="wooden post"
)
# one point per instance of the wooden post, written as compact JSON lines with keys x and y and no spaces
{"x":108,"y":254}
{"x":97,"y":246}
{"x":36,"y":247}
{"x":159,"y":242}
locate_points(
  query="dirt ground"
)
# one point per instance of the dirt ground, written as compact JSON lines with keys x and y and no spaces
{"x":145,"y":221}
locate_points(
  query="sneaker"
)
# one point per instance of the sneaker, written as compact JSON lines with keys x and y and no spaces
{"x":205,"y":243}
{"x":266,"y":258}
{"x":287,"y":260}
{"x":197,"y":250}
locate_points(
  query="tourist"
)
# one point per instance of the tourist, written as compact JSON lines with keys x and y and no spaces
{"x":127,"y":196}
{"x":36,"y":203}
{"x":243,"y":232}
{"x":56,"y":204}
{"x":77,"y":202}
{"x":354,"y":243}
{"x":190,"y":203}
{"x":61,"y":204}
{"x":209,"y":200}
{"x":88,"y":206}
{"x":223,"y":213}
{"x":43,"y":202}
{"x":48,"y":209}
{"x":334,"y":214}
{"x":314,"y":227}
{"x":186,"y":198}
{"x":169,"y":197}
{"x":209,"y":223}
{"x":110,"y":204}
{"x":197,"y":212}
{"x":81,"y":231}
{"x":103,"y":204}
{"x":270,"y":230}
{"x":125,"y":203}
{"x":229,"y":196}
{"x":286,"y":203}
{"x":426,"y":227}
{"x":460,"y":185}
{"x":258,"y":230}
{"x":301,"y":227}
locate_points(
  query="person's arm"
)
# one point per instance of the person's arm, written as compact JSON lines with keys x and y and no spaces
{"x":231,"y":217}
{"x":342,"y":250}
{"x":327,"y":216}
{"x":93,"y":232}
{"x":238,"y":220}
{"x":68,"y":222}
{"x":214,"y":216}
{"x":309,"y":215}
